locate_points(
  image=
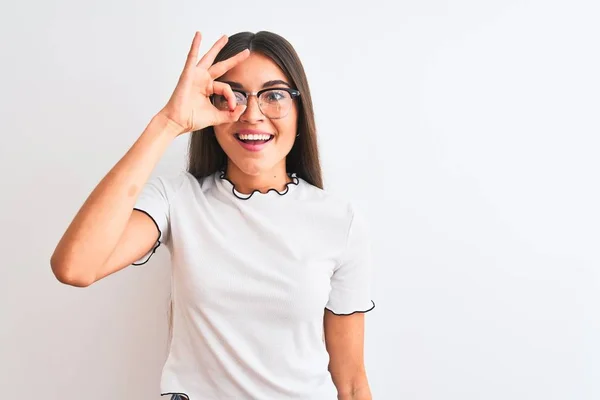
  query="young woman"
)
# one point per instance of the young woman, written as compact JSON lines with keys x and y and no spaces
{"x":270,"y":273}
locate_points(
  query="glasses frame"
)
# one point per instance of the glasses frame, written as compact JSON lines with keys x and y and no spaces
{"x":294,"y":93}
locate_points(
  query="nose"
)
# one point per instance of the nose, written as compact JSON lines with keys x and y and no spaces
{"x":252,"y":114}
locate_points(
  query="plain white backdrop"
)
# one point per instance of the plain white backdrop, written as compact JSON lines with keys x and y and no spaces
{"x":468,"y":132}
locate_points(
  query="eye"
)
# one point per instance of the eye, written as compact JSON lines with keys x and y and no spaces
{"x":274,"y":96}
{"x":219,"y":101}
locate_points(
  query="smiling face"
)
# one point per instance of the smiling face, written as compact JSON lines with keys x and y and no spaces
{"x":256,"y":144}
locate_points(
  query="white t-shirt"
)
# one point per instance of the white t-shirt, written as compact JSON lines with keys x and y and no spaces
{"x":252,"y":276}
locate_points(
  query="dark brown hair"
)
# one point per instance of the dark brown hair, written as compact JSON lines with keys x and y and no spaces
{"x":206,"y":155}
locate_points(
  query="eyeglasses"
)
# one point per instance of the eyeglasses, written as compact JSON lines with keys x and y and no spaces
{"x":273,"y":103}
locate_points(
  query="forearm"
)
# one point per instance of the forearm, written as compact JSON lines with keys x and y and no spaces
{"x":98,"y":225}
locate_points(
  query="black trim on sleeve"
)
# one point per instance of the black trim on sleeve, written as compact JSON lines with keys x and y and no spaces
{"x":354,"y":312}
{"x":176,"y":395}
{"x":158,"y":242}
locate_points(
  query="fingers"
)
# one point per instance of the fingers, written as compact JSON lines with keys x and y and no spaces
{"x":210,"y":56}
{"x":225,"y":90}
{"x":224,"y":117}
{"x":221,"y":67}
{"x":193,"y":53}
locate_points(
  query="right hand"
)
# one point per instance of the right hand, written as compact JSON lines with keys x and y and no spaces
{"x":189,"y":106}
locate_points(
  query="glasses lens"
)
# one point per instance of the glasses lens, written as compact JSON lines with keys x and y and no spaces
{"x":220,"y":101}
{"x":275,"y":103}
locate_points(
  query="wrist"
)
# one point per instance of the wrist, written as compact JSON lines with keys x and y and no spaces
{"x":167,"y":126}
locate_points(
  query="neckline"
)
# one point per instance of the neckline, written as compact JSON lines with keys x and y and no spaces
{"x":295,"y":181}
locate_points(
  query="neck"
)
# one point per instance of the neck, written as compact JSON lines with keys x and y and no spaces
{"x":275,"y":178}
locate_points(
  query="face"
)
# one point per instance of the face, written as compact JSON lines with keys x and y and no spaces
{"x":243,"y":141}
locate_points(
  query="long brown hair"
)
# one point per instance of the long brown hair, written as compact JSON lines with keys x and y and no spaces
{"x":206,"y":155}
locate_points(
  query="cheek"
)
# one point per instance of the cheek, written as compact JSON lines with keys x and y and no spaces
{"x":223,"y":135}
{"x":222,"y":130}
{"x":287,"y":128}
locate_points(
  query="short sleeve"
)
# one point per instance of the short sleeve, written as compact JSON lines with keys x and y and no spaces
{"x":351,"y":280}
{"x":153,"y":201}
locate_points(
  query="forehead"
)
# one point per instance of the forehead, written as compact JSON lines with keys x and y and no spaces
{"x":254,"y":71}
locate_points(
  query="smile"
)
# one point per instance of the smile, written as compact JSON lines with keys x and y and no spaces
{"x":253,"y":141}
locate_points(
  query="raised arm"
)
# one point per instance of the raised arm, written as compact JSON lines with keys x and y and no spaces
{"x":106,"y":234}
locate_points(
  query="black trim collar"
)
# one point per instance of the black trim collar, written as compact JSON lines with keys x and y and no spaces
{"x":295,"y":181}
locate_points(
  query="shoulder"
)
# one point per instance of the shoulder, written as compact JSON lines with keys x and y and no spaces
{"x":334,"y":205}
{"x":182,"y":185}
{"x":170,"y":183}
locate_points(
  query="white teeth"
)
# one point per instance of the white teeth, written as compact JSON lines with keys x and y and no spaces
{"x":254,"y":137}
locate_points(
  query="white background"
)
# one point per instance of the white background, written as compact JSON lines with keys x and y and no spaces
{"x":468,"y":132}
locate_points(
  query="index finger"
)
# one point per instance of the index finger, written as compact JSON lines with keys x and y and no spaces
{"x":223,"y":66}
{"x":193,"y":53}
{"x":206,"y":61}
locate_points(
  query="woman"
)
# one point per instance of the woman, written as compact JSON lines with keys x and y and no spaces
{"x":264,"y":261}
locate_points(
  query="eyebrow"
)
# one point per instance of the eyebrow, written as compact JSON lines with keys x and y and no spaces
{"x":236,"y":85}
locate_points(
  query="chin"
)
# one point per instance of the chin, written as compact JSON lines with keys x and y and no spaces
{"x":251,"y":167}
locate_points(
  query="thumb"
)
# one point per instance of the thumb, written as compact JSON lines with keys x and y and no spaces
{"x":231,"y":116}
